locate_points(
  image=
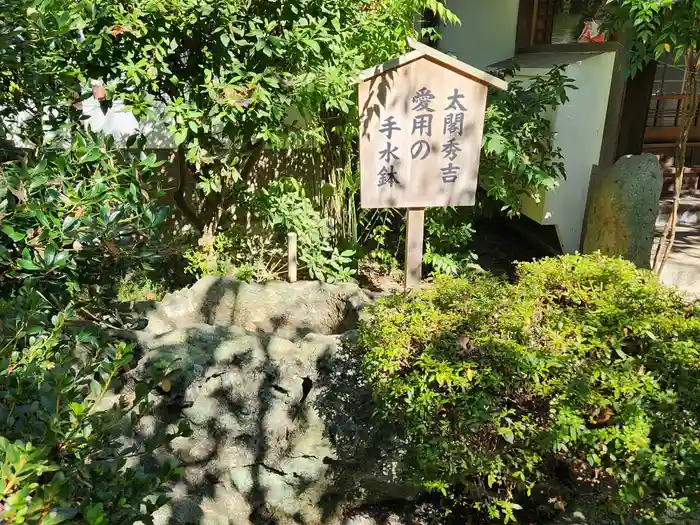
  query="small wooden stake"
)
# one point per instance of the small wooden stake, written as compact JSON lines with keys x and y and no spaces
{"x":414,"y":247}
{"x":292,"y":257}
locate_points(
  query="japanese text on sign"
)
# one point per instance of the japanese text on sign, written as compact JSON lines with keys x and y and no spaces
{"x":453,"y":127}
{"x":421,"y":134}
{"x":387,"y":175}
{"x":421,"y":131}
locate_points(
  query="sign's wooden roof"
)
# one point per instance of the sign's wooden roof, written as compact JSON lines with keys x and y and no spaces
{"x":423,"y":51}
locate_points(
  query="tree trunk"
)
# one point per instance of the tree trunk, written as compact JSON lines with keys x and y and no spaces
{"x":689,"y":109}
{"x":226,"y":197}
{"x":179,"y":196}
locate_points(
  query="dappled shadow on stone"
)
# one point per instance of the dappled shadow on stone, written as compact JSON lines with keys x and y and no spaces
{"x":367,"y":466}
{"x":283,"y":309}
{"x":282,"y":428}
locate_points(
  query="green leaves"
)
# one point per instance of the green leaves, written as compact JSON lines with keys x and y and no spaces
{"x":492,"y":383}
{"x":95,"y":388}
{"x":94,"y":514}
{"x":11,"y":233}
{"x":495,"y":144}
{"x":230,"y":77}
{"x":50,"y":254}
{"x":60,"y":214}
{"x":77,"y":408}
{"x":313,"y":45}
{"x":72,"y":208}
{"x":91,"y":156}
{"x":67,"y":215}
{"x":56,"y":516}
{"x":654,"y":27}
{"x":54,"y":396}
{"x":27,"y":264}
{"x":284,"y":208}
{"x":519,"y":158}
{"x":180,"y":136}
{"x":507,"y":434}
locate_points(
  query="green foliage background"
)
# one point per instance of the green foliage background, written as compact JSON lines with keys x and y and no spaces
{"x":232,"y":79}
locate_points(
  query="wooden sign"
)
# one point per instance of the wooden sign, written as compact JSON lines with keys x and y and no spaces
{"x":421,"y":128}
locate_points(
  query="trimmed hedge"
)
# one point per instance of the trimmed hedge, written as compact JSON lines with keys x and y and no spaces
{"x":581,"y":380}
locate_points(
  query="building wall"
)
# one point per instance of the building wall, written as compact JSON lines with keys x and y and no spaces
{"x":487,"y":34}
{"x":579,"y":126}
{"x":122,"y":124}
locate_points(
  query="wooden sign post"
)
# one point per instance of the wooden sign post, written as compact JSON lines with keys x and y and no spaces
{"x":421,"y":128}
{"x":413,"y":262}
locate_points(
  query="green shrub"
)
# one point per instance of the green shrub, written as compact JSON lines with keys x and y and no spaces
{"x":235,"y":78}
{"x":284,"y":207}
{"x":140,"y":288}
{"x":211,"y":257}
{"x":519,"y":154}
{"x":71,"y":207}
{"x":228,"y":256}
{"x":258,"y":250}
{"x":581,"y":380}
{"x":67,"y":447}
{"x":448,"y":241}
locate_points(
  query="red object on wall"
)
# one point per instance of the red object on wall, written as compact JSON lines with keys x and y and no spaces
{"x":591,"y":32}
